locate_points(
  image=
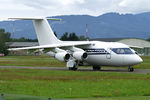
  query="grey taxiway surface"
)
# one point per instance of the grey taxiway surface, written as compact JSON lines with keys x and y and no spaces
{"x":140,"y":71}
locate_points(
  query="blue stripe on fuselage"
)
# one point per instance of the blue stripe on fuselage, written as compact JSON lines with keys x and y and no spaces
{"x":96,"y":51}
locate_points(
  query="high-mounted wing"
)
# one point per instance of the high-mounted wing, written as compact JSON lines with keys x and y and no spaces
{"x":65,"y":44}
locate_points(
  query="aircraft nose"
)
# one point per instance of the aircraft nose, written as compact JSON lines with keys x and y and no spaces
{"x":131,"y":60}
{"x":138,"y":60}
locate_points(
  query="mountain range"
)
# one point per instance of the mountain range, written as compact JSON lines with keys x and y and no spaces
{"x":109,"y":25}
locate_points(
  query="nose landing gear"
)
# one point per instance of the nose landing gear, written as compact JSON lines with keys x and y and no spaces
{"x":130,"y":69}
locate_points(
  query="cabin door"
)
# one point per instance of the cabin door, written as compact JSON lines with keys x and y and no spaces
{"x":108,"y":53}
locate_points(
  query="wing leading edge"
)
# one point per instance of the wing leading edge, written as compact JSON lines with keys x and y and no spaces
{"x":67,"y":44}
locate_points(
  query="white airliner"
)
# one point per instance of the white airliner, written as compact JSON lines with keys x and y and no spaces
{"x":81,"y":53}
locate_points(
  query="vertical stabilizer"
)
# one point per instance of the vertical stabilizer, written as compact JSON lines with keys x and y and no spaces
{"x":44,"y":32}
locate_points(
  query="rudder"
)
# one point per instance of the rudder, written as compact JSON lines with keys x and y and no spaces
{"x":44,"y":32}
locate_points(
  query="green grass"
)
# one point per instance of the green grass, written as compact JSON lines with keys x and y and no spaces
{"x":145,"y":64}
{"x":46,"y":61}
{"x":70,"y":84}
{"x":30,"y":84}
{"x":22,"y":97}
{"x":37,"y":61}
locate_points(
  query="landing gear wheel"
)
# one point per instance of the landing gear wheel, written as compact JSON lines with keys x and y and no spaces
{"x":72,"y":65}
{"x":130,"y":69}
{"x":96,"y":68}
{"x":73,"y":68}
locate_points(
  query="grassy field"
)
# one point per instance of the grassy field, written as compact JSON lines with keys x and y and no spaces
{"x":31,"y":84}
{"x":46,"y":61}
{"x":23,"y":97}
{"x":38,"y":61}
{"x":145,"y":64}
{"x":70,"y":84}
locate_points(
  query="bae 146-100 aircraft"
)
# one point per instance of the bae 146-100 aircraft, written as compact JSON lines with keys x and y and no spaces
{"x":81,"y":53}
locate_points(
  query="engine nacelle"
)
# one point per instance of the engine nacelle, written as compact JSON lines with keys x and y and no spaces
{"x":80,"y":55}
{"x":62,"y":56}
{"x":50,"y":53}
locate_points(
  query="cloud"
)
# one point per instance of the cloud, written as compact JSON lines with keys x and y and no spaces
{"x":135,"y":6}
{"x":71,"y":2}
{"x":67,"y":7}
{"x":47,"y":4}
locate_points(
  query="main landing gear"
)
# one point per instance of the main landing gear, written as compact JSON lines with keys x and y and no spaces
{"x":130,"y":69}
{"x":73,"y":68}
{"x":96,"y":68}
{"x":72,"y":65}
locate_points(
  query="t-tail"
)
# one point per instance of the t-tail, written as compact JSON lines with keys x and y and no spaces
{"x":43,"y":30}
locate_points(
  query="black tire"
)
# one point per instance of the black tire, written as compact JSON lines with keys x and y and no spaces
{"x":70,"y":68}
{"x":96,"y":68}
{"x":131,"y":69}
{"x":73,"y":68}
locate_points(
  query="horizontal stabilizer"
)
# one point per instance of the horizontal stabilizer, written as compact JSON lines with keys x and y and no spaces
{"x":33,"y":18}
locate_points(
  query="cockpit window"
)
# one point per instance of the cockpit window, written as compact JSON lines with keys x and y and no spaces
{"x":122,"y":50}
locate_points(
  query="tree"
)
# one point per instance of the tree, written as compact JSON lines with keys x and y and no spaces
{"x":82,"y":38}
{"x":148,"y":39}
{"x":22,"y":39}
{"x":3,"y":47}
{"x":55,"y":33}
{"x":73,"y":37}
{"x":7,"y":37}
{"x":64,"y":37}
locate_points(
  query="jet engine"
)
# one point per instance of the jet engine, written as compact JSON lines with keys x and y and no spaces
{"x":80,"y":55}
{"x":50,"y":53}
{"x":62,"y":56}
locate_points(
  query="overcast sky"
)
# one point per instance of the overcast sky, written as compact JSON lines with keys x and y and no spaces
{"x":32,"y":8}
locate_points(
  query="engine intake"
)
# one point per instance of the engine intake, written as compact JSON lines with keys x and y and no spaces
{"x":62,"y":56}
{"x":80,"y":55}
